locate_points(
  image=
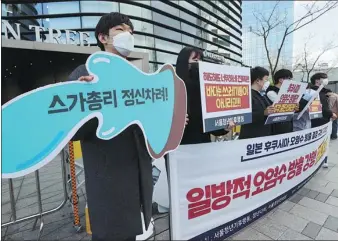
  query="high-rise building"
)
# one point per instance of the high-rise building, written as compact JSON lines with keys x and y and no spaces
{"x":162,"y":28}
{"x":254,"y":52}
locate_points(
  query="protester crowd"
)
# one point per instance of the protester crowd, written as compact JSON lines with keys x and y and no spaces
{"x":119,"y":181}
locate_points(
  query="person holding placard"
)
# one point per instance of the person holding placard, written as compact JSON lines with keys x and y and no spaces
{"x":118,"y":171}
{"x":317,"y":80}
{"x":272,"y":93}
{"x":187,"y":69}
{"x":304,"y":122}
{"x":261,"y":106}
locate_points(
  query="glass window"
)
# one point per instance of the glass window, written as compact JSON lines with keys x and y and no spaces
{"x":143,"y":27}
{"x":60,"y":7}
{"x":165,"y":7}
{"x":62,"y":23}
{"x":141,"y":40}
{"x":159,"y":31}
{"x":151,"y":53}
{"x":92,"y":39}
{"x":165,"y":45}
{"x":166,"y":58}
{"x":4,"y":9}
{"x":99,"y":6}
{"x":90,"y":21}
{"x":137,"y":11}
{"x":166,"y":20}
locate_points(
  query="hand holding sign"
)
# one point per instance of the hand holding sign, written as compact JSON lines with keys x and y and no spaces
{"x":286,"y":102}
{"x":41,"y":122}
{"x":270,"y":110}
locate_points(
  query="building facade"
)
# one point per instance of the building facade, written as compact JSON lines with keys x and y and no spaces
{"x":162,"y":28}
{"x":254,"y":52}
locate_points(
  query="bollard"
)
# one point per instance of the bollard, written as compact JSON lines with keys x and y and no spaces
{"x":74,"y":197}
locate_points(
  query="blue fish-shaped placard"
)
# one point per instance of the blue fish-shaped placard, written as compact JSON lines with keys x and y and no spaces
{"x":38,"y":124}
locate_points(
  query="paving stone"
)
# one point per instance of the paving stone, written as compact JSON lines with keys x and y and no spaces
{"x":311,"y":230}
{"x":312,"y":194}
{"x":332,"y":201}
{"x":309,"y":214}
{"x":327,"y":234}
{"x":289,"y":220}
{"x":296,"y":198}
{"x":318,"y":181}
{"x":269,"y":227}
{"x":286,"y":206}
{"x":331,"y":223}
{"x":333,"y":185}
{"x":322,"y":197}
{"x":293,"y":235}
{"x":250,"y":234}
{"x":335,"y":193}
{"x":303,"y":191}
{"x":319,"y":188}
{"x":319,"y":206}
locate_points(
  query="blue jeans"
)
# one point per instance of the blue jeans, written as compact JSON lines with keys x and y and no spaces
{"x":334,"y":128}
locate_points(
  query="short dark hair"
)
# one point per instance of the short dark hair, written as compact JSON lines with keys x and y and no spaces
{"x":109,"y":21}
{"x":317,"y":76}
{"x":282,"y":74}
{"x":258,"y":73}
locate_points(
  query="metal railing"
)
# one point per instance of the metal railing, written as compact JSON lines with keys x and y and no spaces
{"x":39,"y":215}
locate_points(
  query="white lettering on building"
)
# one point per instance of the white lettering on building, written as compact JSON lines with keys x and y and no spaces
{"x":53,"y":36}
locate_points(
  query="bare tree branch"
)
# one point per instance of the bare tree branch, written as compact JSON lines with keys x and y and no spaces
{"x":334,"y":5}
{"x":309,"y":62}
{"x":269,"y":23}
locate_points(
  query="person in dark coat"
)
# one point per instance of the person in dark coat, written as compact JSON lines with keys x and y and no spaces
{"x":272,"y":93}
{"x":261,"y":107}
{"x":118,"y":172}
{"x":317,"y":80}
{"x":187,"y":69}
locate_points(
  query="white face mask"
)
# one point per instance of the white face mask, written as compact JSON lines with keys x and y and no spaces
{"x":124,"y":43}
{"x":325,"y":81}
{"x":266,"y":85}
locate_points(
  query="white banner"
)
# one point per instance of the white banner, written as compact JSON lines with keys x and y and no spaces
{"x":225,"y":95}
{"x":218,"y":188}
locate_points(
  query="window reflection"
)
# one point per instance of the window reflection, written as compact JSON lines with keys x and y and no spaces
{"x":62,"y":23}
{"x":142,"y":40}
{"x":166,"y":33}
{"x":90,"y":21}
{"x":166,"y":58}
{"x":99,"y":6}
{"x":142,"y":27}
{"x":60,"y":7}
{"x":165,"y":45}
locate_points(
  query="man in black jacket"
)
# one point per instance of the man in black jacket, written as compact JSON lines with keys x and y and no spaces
{"x":261,"y":107}
{"x":272,"y":93}
{"x":317,"y":80}
{"x":118,"y":172}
